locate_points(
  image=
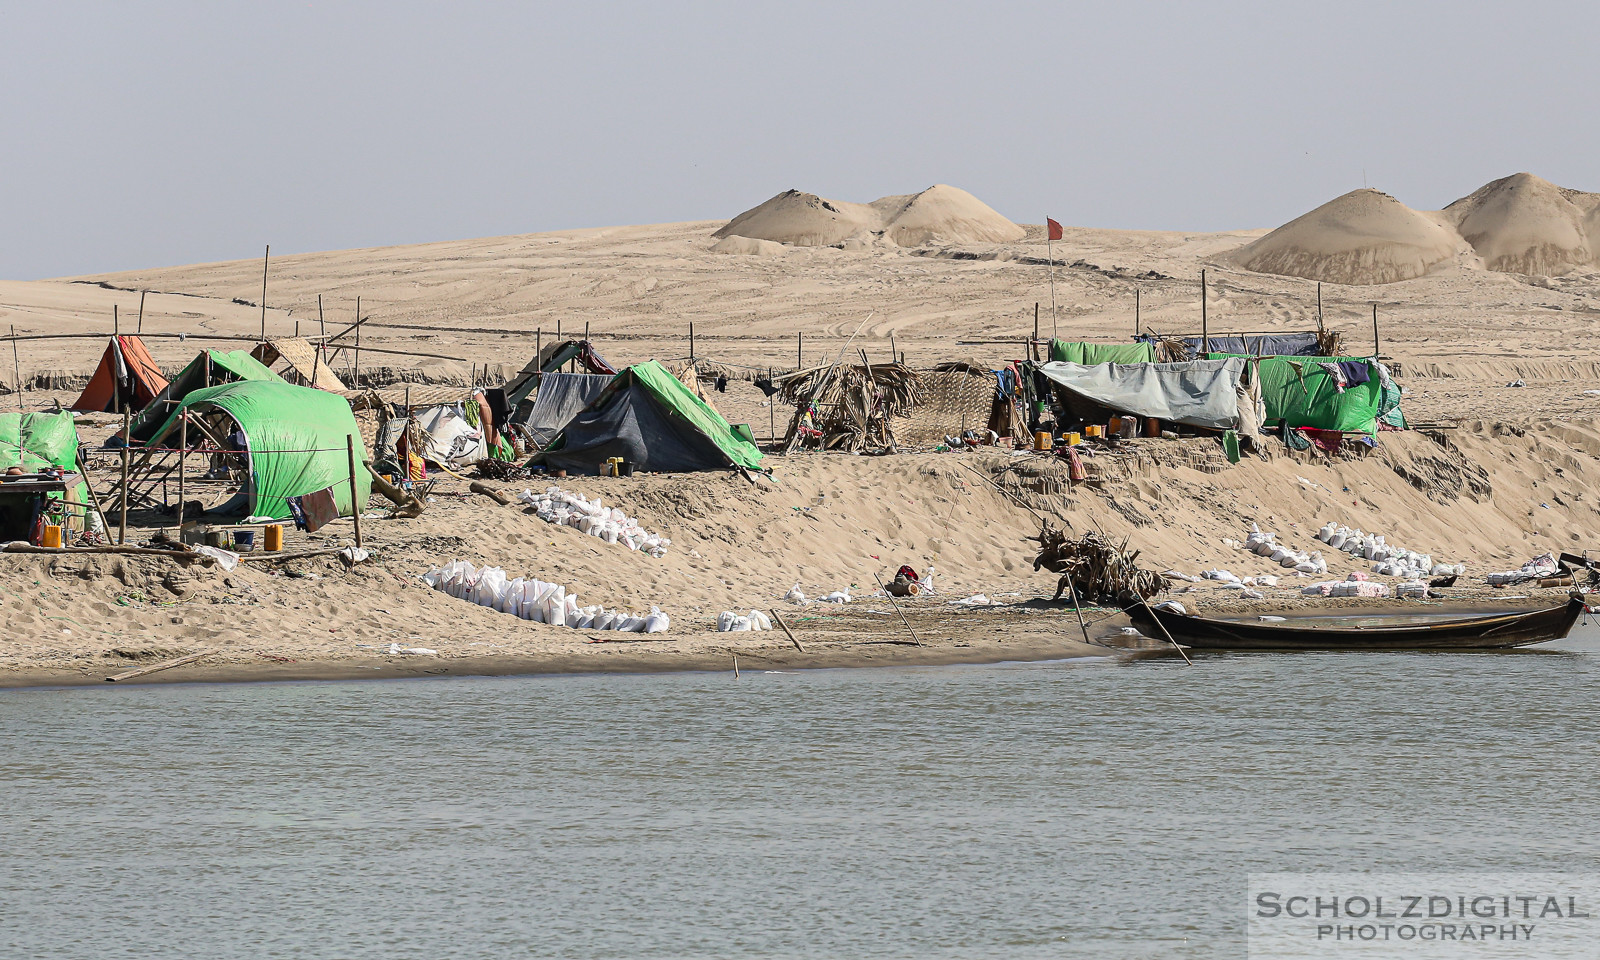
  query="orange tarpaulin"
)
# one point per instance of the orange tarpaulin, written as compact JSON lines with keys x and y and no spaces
{"x":127,"y":379}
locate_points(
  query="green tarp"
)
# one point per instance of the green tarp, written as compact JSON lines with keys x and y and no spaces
{"x":226,"y":365}
{"x":34,"y":441}
{"x":297,"y":441}
{"x":1299,"y":393}
{"x":1088,"y":354}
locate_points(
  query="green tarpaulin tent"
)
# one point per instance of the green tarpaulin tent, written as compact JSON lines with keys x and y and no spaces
{"x":1299,"y":393}
{"x":296,"y":438}
{"x":210,"y":368}
{"x":649,"y":418}
{"x":1088,"y":354}
{"x":34,"y":441}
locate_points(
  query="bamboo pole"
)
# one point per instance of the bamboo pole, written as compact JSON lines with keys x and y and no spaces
{"x":122,"y":527}
{"x":355,"y":504}
{"x":799,"y":349}
{"x":264,"y":258}
{"x":1165,"y":632}
{"x":21,"y":547}
{"x":778,"y":619}
{"x":1375,"y":347}
{"x":88,"y":484}
{"x":183,"y":461}
{"x":1205,"y":335}
{"x":1137,"y":326}
{"x":139,"y":328}
{"x":355,"y":381}
{"x":16,"y":366}
{"x":914,"y":638}
{"x":155,"y":667}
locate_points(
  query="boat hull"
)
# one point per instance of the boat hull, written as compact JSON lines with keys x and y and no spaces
{"x":1497,"y":632}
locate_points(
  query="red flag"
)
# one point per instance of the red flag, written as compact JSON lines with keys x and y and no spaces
{"x":1055,"y":228}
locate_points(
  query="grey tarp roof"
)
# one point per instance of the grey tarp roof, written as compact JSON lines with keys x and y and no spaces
{"x":562,"y":396}
{"x":1201,"y":393}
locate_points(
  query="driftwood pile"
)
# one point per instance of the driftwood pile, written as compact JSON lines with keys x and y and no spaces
{"x":1095,"y":569}
{"x":841,"y":407}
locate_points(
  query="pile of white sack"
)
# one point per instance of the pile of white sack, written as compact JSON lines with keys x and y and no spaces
{"x":596,"y":519}
{"x":1544,"y":565}
{"x":1266,"y":545}
{"x":796,"y":595}
{"x":730,"y":622}
{"x":1347,"y":588}
{"x":1390,"y":561}
{"x":536,"y":600}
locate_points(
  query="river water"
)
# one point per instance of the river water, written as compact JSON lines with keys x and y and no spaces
{"x":1068,"y":809}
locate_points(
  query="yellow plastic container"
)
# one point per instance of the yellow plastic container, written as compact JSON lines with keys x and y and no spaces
{"x":1042,"y":440}
{"x":1092,"y":430}
{"x":52,"y":537}
{"x":1073,"y":439}
{"x":273,"y":540}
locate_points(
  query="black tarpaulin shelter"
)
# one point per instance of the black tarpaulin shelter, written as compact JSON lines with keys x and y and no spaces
{"x":561,"y":397}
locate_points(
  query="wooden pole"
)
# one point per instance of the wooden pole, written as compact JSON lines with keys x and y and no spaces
{"x":558,"y":329}
{"x":183,"y":461}
{"x":1051,"y":250}
{"x":355,"y":503}
{"x":1035,"y":321}
{"x":116,"y":323}
{"x":154,"y":667}
{"x":16,"y":366}
{"x":779,"y":620}
{"x":691,"y":341}
{"x":894,"y":352}
{"x":356,"y":381}
{"x":1137,"y":328}
{"x":122,"y":527}
{"x":1319,"y":306}
{"x":585,"y":331}
{"x":1375,"y":348}
{"x":94,"y":498}
{"x":799,"y":350}
{"x":1168,"y":634}
{"x":1205,"y":333}
{"x":140,"y":327}
{"x":914,"y":638}
{"x":264,"y":258}
{"x":322,"y":324}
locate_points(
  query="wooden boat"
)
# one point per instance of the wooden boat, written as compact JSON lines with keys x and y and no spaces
{"x":1495,"y":632}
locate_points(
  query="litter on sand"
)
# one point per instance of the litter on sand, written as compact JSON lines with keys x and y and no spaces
{"x":976,"y":600}
{"x":395,"y":650}
{"x":1544,"y":565}
{"x":755,"y":621}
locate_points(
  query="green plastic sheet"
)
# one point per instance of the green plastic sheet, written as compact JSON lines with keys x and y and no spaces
{"x":1073,"y":351}
{"x":682,"y":402}
{"x":1299,"y":393}
{"x":34,"y":441}
{"x":297,"y":438}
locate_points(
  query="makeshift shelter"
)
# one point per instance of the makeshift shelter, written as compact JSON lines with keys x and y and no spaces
{"x":50,"y":488}
{"x":647,"y":417}
{"x":1073,"y":351}
{"x":298,"y":362}
{"x":1301,"y":392}
{"x":295,"y":442}
{"x":952,"y":398}
{"x":210,"y":368}
{"x":127,"y":379}
{"x":552,"y":357}
{"x":559,"y":398}
{"x":1200,"y":393}
{"x":849,"y":407}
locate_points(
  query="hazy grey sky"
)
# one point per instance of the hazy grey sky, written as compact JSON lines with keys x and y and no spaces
{"x":146,"y":135}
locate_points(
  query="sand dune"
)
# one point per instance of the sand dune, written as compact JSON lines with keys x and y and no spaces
{"x":1363,"y":237}
{"x":940,"y":214}
{"x":1525,"y":224}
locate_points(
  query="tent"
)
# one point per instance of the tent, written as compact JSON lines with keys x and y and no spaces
{"x":552,"y":357}
{"x":1298,"y":392}
{"x":303,"y":364}
{"x":295,"y":438}
{"x":36,"y":442}
{"x":561,"y":396}
{"x":1073,"y":351}
{"x":1200,"y":393}
{"x":208,"y":369}
{"x":649,"y":418}
{"x":127,"y":379}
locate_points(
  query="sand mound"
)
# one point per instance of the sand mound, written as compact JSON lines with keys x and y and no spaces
{"x":748,"y":247}
{"x":1363,"y":237}
{"x":940,"y":214}
{"x":944,"y":214}
{"x":1525,"y":224}
{"x":802,"y":219}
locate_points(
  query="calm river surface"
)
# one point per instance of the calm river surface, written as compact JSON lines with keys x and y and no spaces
{"x":1087,"y":809}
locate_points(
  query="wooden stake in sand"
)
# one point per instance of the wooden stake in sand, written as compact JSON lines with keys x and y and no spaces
{"x":736,"y":666}
{"x":163,"y":665}
{"x":779,"y":621}
{"x":356,"y":380}
{"x":1374,"y":329}
{"x":1205,"y":335}
{"x":799,"y":350}
{"x":1136,"y":325}
{"x":355,"y":501}
{"x":122,"y":528}
{"x":16,"y":366}
{"x":183,"y":460}
{"x":914,"y":638}
{"x":139,"y":327}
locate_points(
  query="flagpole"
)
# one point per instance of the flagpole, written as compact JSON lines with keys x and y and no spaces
{"x":1050,"y":248}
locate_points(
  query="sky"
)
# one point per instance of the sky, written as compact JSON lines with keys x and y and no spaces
{"x":148,"y":135}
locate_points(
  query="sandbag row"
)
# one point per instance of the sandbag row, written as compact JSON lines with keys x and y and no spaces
{"x":535,"y":600}
{"x":1389,"y":560}
{"x":596,"y":519}
{"x":730,"y":622}
{"x":1266,"y":545}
